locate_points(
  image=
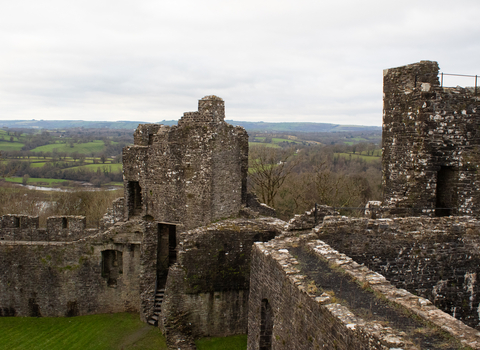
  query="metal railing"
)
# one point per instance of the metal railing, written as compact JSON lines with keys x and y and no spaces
{"x":459,"y":75}
{"x":452,"y":75}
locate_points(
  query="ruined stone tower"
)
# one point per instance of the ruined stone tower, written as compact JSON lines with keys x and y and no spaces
{"x":188,"y":175}
{"x":430,"y":143}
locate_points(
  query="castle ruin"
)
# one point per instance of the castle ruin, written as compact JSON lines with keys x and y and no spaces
{"x":186,"y":250}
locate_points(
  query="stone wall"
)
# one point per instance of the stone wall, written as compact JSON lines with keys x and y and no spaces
{"x":96,"y":274}
{"x":114,"y":214}
{"x":207,"y":290}
{"x":310,"y":218}
{"x":190,"y":174}
{"x":59,"y":228}
{"x":291,"y":307}
{"x":430,"y":143}
{"x":436,"y":258}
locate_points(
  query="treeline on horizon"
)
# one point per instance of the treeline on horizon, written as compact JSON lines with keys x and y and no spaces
{"x":259,"y":126}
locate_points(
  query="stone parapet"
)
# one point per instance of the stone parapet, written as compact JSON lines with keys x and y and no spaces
{"x":308,"y":314}
{"x":435,"y":258}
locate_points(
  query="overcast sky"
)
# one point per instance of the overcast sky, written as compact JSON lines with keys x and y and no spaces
{"x":302,"y":60}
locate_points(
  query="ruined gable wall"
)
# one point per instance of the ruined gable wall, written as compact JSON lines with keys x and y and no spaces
{"x":193,"y":173}
{"x":436,"y":258}
{"x":426,"y":127}
{"x":207,"y":290}
{"x":68,"y":279}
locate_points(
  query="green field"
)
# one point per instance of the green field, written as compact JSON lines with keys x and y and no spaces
{"x":254,"y":144}
{"x":85,"y":148}
{"x":113,"y":167}
{"x":362,"y":156}
{"x":10,"y":146}
{"x":34,"y":180}
{"x":96,"y":332}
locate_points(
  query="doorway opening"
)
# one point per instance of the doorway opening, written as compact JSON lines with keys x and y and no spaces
{"x":446,"y":194}
{"x":166,"y":251}
{"x":266,"y":326}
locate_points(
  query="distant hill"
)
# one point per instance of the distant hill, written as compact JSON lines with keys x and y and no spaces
{"x":250,"y":126}
{"x":303,"y":127}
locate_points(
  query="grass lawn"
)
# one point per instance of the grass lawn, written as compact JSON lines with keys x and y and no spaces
{"x":96,"y":332}
{"x":85,"y":148}
{"x":236,"y":342}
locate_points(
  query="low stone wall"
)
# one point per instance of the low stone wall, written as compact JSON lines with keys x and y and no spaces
{"x":436,"y":258}
{"x":261,"y":208}
{"x":207,"y":290}
{"x":310,"y":218}
{"x":302,"y":317}
{"x":97,"y":274}
{"x":59,"y":228}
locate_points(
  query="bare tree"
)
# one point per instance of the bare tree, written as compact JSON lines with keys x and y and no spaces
{"x":268,"y":169}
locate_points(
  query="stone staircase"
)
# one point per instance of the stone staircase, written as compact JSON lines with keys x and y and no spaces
{"x":157,"y":307}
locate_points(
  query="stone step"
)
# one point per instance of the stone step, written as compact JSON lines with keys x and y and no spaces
{"x":154,"y":317}
{"x":152,"y":322}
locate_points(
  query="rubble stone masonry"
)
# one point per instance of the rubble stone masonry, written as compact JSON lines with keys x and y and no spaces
{"x":188,"y":175}
{"x":430,"y":143}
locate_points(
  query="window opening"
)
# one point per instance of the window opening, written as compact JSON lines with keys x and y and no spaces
{"x":134,"y":198}
{"x":112,"y":266}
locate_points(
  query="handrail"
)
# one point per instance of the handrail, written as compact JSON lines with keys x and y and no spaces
{"x":459,"y":75}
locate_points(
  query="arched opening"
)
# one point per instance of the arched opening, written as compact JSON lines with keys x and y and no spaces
{"x":266,"y":326}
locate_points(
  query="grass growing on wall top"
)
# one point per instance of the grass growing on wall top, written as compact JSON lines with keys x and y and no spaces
{"x":96,"y":332}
